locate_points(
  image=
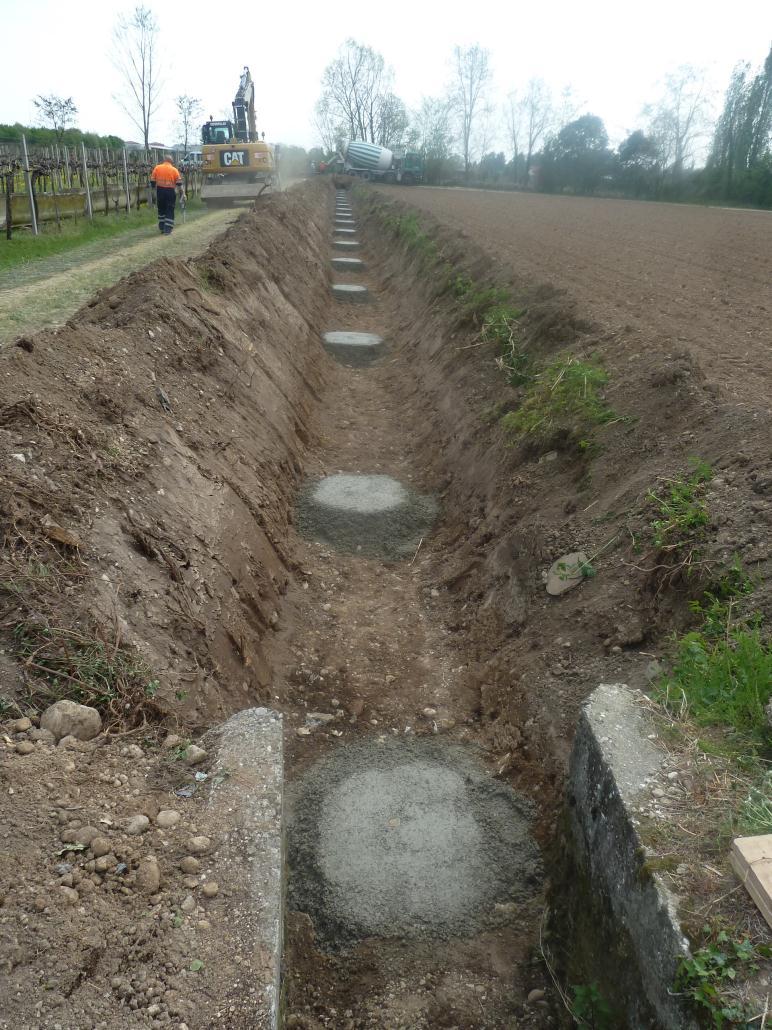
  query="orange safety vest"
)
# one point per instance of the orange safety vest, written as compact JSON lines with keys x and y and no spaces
{"x":166,"y":176}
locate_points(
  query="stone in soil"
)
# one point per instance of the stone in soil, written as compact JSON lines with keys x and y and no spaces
{"x":137,"y":824}
{"x":167,"y":818}
{"x":194,"y":755}
{"x":566,"y":573}
{"x":149,"y":875}
{"x":69,"y":719}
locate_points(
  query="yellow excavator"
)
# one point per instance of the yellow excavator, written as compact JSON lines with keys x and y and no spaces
{"x":238,"y":164}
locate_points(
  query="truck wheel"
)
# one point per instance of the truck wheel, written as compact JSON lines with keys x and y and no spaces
{"x":389,"y":177}
{"x":407,"y":179}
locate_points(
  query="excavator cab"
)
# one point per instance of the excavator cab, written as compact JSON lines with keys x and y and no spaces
{"x":238,"y":166}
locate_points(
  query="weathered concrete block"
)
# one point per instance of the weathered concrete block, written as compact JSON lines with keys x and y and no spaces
{"x":636,"y":938}
{"x":248,"y":798}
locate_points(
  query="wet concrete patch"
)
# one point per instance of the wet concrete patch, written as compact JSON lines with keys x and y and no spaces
{"x":354,"y":349}
{"x":351,"y":293}
{"x":376,"y":515}
{"x":407,"y":839}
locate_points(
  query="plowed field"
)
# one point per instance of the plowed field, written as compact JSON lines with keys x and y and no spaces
{"x":667,"y":276}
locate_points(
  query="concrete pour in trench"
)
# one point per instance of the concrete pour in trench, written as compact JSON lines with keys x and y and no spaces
{"x":373,"y":515}
{"x":353,"y":349}
{"x":406,"y":838}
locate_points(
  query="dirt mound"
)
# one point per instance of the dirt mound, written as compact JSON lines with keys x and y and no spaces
{"x":162,"y":431}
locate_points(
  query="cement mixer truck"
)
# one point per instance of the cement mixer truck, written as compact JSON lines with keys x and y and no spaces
{"x":379,"y":163}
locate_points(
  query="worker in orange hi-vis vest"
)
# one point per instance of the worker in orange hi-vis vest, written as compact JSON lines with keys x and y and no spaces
{"x":167,"y":180}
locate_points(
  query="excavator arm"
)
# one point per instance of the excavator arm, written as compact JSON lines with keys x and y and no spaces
{"x":244,"y":109}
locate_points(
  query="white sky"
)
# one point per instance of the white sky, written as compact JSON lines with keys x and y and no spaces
{"x":612,"y":53}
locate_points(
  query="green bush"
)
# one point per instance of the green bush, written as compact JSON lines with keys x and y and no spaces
{"x":682,"y":509}
{"x":564,"y":400}
{"x":724,"y":680}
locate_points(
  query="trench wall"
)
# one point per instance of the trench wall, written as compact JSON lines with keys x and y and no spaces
{"x":165,"y":425}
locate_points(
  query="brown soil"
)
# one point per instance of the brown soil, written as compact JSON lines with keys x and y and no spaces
{"x":189,"y":566}
{"x":672,"y":277}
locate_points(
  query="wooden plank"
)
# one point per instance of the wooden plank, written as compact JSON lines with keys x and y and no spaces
{"x":751,"y":859}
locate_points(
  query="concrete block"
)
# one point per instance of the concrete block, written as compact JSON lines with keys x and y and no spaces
{"x":346,"y":244}
{"x":636,"y":940}
{"x":248,"y":798}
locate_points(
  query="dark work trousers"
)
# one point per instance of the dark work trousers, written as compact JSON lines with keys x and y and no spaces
{"x":165,"y":198}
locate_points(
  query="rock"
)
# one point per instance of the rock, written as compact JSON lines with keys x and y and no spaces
{"x":137,"y":824}
{"x":100,"y":846}
{"x":537,"y":994}
{"x":45,"y":736}
{"x":68,"y":742}
{"x":189,"y":904}
{"x":654,"y":670}
{"x":190,"y":882}
{"x":167,"y":818}
{"x":69,"y":719}
{"x":199,"y":845}
{"x":25,"y":747}
{"x":194,"y":755}
{"x":85,"y":834}
{"x":69,"y":896}
{"x":189,"y":864}
{"x":566,"y":573}
{"x":172,"y":740}
{"x":21,"y":725}
{"x":105,"y":863}
{"x":210,"y":889}
{"x":149,"y":875}
{"x":133,"y":751}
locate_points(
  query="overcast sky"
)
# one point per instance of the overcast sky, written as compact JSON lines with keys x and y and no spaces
{"x":612,"y":54}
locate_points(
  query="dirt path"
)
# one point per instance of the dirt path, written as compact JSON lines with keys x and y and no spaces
{"x":365,"y":642}
{"x":45,"y":294}
{"x":664,"y":276}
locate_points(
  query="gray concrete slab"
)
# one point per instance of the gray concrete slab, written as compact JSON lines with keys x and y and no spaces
{"x":347,"y":264}
{"x":346,"y":244}
{"x":354,"y":349}
{"x":406,"y":839}
{"x":345,"y":232}
{"x":373,"y":515}
{"x":350,"y":293}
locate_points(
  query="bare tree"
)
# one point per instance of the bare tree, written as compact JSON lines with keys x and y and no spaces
{"x":531,"y":118}
{"x":433,"y":132}
{"x":680,"y":118}
{"x":357,"y":99}
{"x":135,"y":40}
{"x":188,"y":113}
{"x":59,"y":112}
{"x":472,"y":75}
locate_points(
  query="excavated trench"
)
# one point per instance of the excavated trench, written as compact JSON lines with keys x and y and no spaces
{"x":414,"y":879}
{"x":328,"y":521}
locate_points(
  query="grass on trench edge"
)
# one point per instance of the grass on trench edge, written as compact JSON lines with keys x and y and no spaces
{"x":563,"y":402}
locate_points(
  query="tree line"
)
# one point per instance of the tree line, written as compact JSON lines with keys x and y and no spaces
{"x":679,"y":152}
